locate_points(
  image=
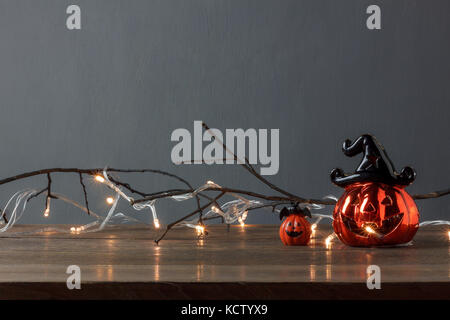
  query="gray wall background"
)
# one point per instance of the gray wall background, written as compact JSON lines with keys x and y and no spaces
{"x":112,"y":93}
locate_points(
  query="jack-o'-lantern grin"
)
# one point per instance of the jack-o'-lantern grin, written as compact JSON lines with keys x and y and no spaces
{"x":387,"y":226}
{"x":294,"y":234}
{"x":293,"y":231}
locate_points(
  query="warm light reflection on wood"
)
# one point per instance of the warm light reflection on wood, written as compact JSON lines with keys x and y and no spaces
{"x":256,"y":254}
{"x":312,"y":272}
{"x":328,"y":272}
{"x":200,"y":268}
{"x":329,"y":260}
{"x":110,"y":273}
{"x":156,"y":275}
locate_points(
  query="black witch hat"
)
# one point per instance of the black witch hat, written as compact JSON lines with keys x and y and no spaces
{"x":375,"y":165}
{"x":295,"y":209}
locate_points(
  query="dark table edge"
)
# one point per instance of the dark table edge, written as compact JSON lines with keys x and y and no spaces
{"x":225,"y":291}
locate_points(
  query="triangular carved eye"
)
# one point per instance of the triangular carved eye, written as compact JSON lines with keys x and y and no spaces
{"x":369,"y":208}
{"x":387,"y":201}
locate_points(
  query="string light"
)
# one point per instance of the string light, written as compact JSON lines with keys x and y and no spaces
{"x":110,"y":200}
{"x":156,"y":223}
{"x":99,"y":178}
{"x":242,"y":218}
{"x":315,"y":225}
{"x":76,"y":229}
{"x":200,"y":230}
{"x":47,"y":208}
{"x":436,"y":223}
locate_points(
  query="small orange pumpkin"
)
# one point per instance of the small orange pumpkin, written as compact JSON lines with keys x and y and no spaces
{"x":295,"y":229}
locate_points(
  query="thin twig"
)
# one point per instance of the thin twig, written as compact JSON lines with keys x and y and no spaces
{"x":127,"y":186}
{"x":37,"y":194}
{"x":49,"y":192}
{"x":164,"y":194}
{"x":169,"y":226}
{"x":92,"y":172}
{"x":272,"y":205}
{"x":431,"y":195}
{"x":75,"y":204}
{"x":250,"y":168}
{"x":85,"y":193}
{"x":4,"y":216}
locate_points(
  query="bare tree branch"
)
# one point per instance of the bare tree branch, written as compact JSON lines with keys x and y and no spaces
{"x":431,"y":195}
{"x":250,"y":168}
{"x":169,"y":226}
{"x":85,"y":193}
{"x":169,"y":193}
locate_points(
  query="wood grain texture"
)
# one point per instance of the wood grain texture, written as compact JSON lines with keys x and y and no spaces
{"x":249,"y":261}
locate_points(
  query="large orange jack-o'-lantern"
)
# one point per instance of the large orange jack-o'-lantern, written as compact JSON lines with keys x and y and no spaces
{"x":295,"y":229}
{"x":374,"y":210}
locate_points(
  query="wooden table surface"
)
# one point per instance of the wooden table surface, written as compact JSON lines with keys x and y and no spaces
{"x":249,"y":262}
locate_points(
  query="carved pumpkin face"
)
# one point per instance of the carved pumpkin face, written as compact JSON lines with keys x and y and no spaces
{"x":295,"y":230}
{"x":375,"y":214}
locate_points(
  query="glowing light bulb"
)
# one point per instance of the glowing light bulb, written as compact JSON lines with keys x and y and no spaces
{"x":99,"y":178}
{"x":448,"y":235}
{"x":372,"y":231}
{"x":215,"y":209}
{"x":200,"y":230}
{"x":47,"y":212}
{"x":72,"y":229}
{"x":369,"y":229}
{"x":210,"y":182}
{"x":110,"y":200}
{"x":156,"y":223}
{"x":313,"y":228}
{"x":242,"y":218}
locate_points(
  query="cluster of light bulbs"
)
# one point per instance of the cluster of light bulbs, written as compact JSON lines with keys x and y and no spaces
{"x":200,"y":230}
{"x":76,"y":229}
